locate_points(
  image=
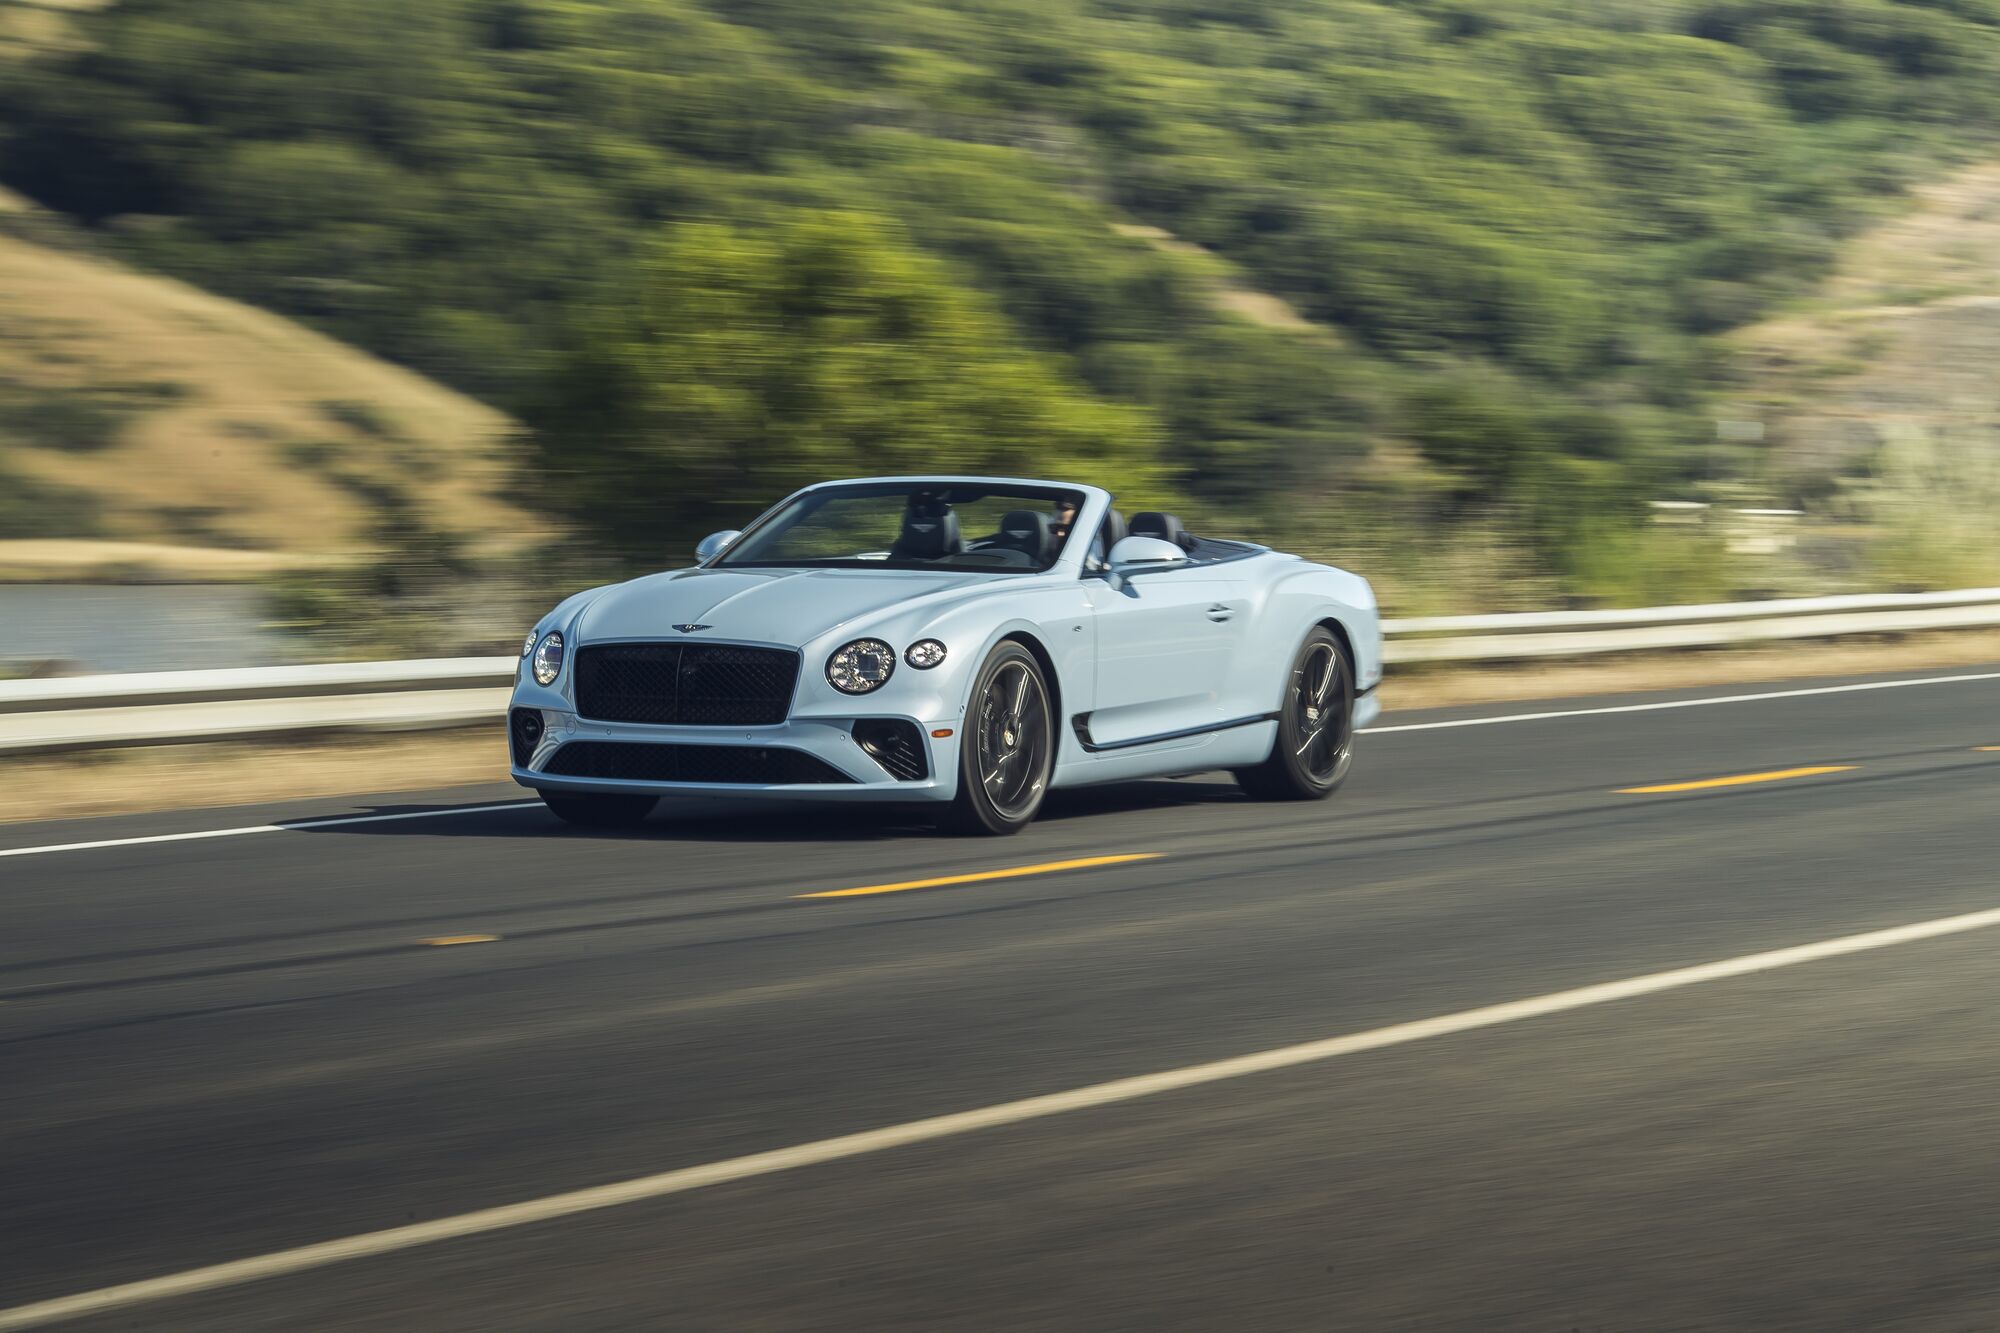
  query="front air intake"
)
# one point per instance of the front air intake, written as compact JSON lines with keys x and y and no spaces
{"x":744,"y":765}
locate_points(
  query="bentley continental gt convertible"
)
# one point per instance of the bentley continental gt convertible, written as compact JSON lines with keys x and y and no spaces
{"x":966,"y":642}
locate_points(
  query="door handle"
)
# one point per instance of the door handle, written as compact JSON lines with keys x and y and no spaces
{"x":1219,"y":613}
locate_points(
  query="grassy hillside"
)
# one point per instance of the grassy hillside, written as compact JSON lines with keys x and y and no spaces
{"x":39,"y":27}
{"x":1904,"y":334}
{"x":1878,"y":397}
{"x":1438,"y":277}
{"x":167,"y":431}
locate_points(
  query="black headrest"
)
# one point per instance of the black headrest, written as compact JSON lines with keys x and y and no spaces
{"x":1114,"y":528}
{"x":1165,"y":527}
{"x":1025,"y":530}
{"x":930,"y":532}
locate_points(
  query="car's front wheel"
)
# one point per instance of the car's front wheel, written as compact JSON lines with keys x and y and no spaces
{"x":1315,"y":742}
{"x":599,"y":809}
{"x":1007,"y":746}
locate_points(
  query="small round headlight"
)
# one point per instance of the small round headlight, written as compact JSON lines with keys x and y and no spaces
{"x":549,"y":660}
{"x":861,"y":667}
{"x":528,"y":644}
{"x":924,"y":654}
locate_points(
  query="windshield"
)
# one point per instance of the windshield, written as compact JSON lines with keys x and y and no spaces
{"x":913,"y":525}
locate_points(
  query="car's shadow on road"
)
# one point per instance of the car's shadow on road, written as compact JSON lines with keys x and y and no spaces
{"x":724,"y":821}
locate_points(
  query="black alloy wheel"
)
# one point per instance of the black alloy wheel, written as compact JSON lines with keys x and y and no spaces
{"x":1314,"y":746}
{"x":1007,"y":746}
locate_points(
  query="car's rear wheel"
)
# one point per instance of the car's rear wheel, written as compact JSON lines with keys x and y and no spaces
{"x":599,"y":809}
{"x":1315,"y":743}
{"x":1007,"y":746}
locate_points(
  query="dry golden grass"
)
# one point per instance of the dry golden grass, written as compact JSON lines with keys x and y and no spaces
{"x":86,"y":560}
{"x":248,"y":431}
{"x":36,"y":27}
{"x":186,"y":777}
{"x":1226,"y":293}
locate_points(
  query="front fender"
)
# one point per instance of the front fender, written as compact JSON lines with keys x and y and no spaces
{"x":1284,"y":608}
{"x":1053,"y":613}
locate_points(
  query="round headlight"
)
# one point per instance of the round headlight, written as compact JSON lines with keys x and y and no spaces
{"x":861,"y":667}
{"x":549,"y":660}
{"x":924,"y":654}
{"x":528,"y":644}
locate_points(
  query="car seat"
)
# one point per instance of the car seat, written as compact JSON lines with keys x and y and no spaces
{"x":1164,"y":527}
{"x":1027,"y":531}
{"x":930,"y":531}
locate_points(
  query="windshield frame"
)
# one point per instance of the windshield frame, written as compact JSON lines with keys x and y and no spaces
{"x":956,"y":490}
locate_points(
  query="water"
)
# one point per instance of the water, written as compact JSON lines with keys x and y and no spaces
{"x":158,"y":628}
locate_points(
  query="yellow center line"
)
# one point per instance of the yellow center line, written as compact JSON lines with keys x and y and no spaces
{"x":1014,"y":872}
{"x":1738,"y":780}
{"x":1988,"y":748}
{"x":442,"y":941}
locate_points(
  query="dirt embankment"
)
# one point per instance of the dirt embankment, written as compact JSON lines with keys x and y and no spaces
{"x":1901,"y":343}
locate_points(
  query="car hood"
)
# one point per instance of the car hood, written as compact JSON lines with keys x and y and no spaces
{"x":791,"y":606}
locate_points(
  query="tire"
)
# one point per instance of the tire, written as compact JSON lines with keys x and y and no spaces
{"x":1008,"y":746}
{"x":1314,"y":746}
{"x":599,"y":809}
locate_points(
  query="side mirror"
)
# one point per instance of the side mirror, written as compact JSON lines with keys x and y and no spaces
{"x":714,"y":544}
{"x":1136,"y":555}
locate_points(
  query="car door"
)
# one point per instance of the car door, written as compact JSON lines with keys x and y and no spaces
{"x":1165,"y":640}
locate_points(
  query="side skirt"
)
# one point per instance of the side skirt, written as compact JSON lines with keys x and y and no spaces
{"x":1081,"y":724}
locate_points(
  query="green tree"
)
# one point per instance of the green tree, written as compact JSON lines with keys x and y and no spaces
{"x":753,"y":361}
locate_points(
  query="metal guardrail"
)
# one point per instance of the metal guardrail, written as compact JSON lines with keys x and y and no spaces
{"x":1539,"y":634}
{"x":1710,"y":613}
{"x":93,"y":712}
{"x":241,"y":683}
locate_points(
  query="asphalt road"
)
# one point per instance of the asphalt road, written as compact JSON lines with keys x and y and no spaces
{"x":216,"y":1049}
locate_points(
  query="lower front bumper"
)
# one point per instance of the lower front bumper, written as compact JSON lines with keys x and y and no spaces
{"x":831,"y":743}
{"x":1367,"y":708}
{"x":890,"y":793}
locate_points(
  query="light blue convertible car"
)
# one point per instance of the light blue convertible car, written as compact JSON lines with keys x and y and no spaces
{"x":967,"y":642}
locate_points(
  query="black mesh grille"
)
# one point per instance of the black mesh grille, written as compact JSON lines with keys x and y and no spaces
{"x":524,"y":728}
{"x":639,"y":762}
{"x":686,"y":684}
{"x":895,"y":744}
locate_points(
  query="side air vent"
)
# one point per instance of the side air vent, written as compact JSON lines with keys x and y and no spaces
{"x":895,"y":744}
{"x":524,"y":732}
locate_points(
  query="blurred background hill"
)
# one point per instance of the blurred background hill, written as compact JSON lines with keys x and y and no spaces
{"x":1448,"y":290}
{"x":1881,"y":392}
{"x":154,"y":427}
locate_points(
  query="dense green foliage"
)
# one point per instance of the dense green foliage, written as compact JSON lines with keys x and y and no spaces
{"x":712,"y":248}
{"x":817,"y":346}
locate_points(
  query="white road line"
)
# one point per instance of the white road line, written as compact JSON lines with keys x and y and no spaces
{"x":554,"y":1206}
{"x":303,"y":826}
{"x":1678,"y":703}
{"x":1366,"y":731}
